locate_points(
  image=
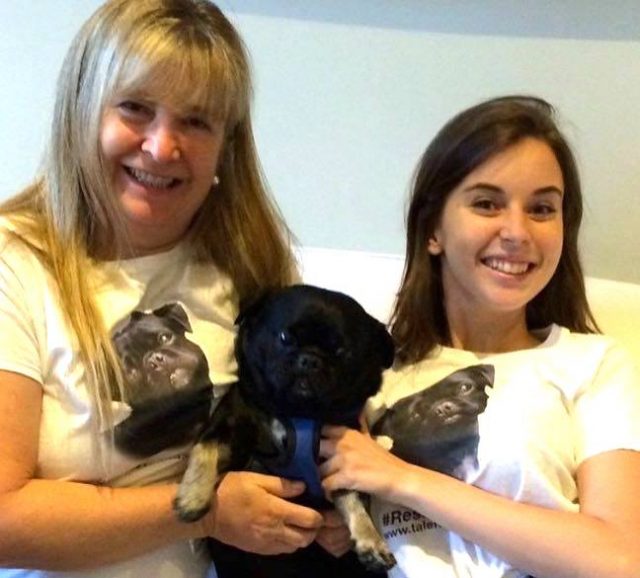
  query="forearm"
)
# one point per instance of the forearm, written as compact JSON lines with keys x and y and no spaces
{"x":70,"y":526}
{"x":540,"y":541}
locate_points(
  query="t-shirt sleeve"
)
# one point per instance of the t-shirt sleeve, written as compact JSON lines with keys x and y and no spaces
{"x":19,"y":282}
{"x":607,"y":410}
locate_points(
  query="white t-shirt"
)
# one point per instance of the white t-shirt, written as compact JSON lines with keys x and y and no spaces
{"x":35,"y":342}
{"x":517,"y":424}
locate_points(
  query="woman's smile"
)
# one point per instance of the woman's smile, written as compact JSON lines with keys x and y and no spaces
{"x":164,"y":163}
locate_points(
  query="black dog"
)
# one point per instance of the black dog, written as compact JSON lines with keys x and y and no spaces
{"x":306,"y":356}
{"x":167,"y":375}
{"x":437,"y":428}
{"x":305,"y":353}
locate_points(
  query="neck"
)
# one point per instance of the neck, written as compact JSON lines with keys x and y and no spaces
{"x":491,"y":333}
{"x":109,"y":251}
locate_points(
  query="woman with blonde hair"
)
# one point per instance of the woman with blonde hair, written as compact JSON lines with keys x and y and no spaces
{"x":150,"y":200}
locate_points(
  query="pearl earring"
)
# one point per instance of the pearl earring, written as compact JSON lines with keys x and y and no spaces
{"x":216,"y":181}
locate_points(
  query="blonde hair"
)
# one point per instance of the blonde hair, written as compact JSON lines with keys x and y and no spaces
{"x":184,"y":51}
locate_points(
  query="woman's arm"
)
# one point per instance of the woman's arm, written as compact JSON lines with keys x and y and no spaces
{"x":603,"y":539}
{"x":62,"y":525}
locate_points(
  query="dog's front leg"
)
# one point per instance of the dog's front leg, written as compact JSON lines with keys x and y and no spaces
{"x":369,"y":545}
{"x":207,"y":459}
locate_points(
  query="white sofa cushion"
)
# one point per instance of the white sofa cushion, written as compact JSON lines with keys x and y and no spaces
{"x":374,"y":278}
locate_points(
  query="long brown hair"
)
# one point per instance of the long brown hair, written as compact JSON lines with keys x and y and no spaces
{"x":419,"y":322}
{"x":64,"y":215}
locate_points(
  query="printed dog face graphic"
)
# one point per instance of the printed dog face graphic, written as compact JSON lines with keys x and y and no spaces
{"x":167,"y":379}
{"x":156,"y":356}
{"x":437,"y":428}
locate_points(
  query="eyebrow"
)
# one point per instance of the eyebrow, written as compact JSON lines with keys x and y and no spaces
{"x":551,"y":189}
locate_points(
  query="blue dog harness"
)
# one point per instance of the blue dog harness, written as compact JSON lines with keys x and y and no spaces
{"x":302,"y":459}
{"x":303,"y":464}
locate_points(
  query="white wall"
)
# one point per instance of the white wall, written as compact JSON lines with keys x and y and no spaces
{"x":348,"y":93}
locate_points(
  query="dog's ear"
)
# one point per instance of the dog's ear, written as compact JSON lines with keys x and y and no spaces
{"x":250,"y":309}
{"x":123,"y":326}
{"x":175,"y":313}
{"x":385,"y":344}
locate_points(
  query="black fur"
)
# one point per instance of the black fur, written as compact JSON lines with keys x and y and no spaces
{"x":304,"y":352}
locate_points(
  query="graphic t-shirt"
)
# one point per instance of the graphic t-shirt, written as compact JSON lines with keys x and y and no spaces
{"x":190,"y":334}
{"x":516,"y":424}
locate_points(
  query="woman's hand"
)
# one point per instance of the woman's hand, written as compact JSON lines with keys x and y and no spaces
{"x":251,"y":512}
{"x":355,"y":461}
{"x":334,"y":536}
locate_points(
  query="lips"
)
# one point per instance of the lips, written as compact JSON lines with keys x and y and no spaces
{"x":509,"y":267}
{"x":147,"y":179}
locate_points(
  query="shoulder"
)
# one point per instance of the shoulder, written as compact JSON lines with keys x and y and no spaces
{"x":589,"y":349}
{"x":587,"y":362}
{"x":18,"y":255}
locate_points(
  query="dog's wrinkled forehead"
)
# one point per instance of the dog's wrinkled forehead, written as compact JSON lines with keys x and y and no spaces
{"x":157,"y":325}
{"x":315,"y":312}
{"x":306,"y":315}
{"x":144,"y":332}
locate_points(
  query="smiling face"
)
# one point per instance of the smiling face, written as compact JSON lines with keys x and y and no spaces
{"x":162,"y":163}
{"x":501,"y":232}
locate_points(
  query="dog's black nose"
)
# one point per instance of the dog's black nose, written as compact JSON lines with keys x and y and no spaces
{"x":309,"y":362}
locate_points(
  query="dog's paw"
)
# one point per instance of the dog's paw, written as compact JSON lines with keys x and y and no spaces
{"x":196,"y":489}
{"x":190,"y":510}
{"x":375,"y":556}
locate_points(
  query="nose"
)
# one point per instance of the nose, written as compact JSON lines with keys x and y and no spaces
{"x":161,"y":142}
{"x":309,"y":362}
{"x":515,"y":226}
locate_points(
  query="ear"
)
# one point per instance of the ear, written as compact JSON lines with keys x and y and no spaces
{"x":251,"y":309}
{"x":433,"y":246}
{"x":175,"y":313}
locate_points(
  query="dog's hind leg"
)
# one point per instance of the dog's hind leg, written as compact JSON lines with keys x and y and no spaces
{"x":206,"y":460}
{"x":369,"y":545}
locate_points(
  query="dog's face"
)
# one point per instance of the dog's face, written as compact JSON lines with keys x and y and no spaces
{"x":156,"y":357}
{"x":310,"y":352}
{"x":452,"y":404}
{"x":438,"y":427}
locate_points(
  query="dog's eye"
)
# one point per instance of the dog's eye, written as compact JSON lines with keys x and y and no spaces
{"x":164,"y":338}
{"x":342,"y":352}
{"x":466,"y":387}
{"x":286,"y":338}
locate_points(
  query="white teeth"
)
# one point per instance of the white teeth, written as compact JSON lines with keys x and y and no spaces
{"x":507,"y":266}
{"x":150,"y":180}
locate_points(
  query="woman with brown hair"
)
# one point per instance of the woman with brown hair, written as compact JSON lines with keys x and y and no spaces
{"x":515,"y":430}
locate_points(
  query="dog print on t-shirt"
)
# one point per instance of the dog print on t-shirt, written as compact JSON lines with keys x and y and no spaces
{"x":437,"y":428}
{"x":167,"y":381}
